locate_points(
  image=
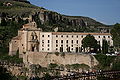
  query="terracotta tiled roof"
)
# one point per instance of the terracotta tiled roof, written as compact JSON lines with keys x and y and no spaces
{"x":78,"y":33}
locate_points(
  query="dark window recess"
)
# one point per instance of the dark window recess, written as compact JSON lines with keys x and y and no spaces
{"x":61,"y":41}
{"x":48,"y":45}
{"x":67,"y":41}
{"x":48,"y":41}
{"x":56,"y":41}
{"x":42,"y":41}
{"x":72,"y":41}
{"x":77,"y":36}
{"x":77,"y":41}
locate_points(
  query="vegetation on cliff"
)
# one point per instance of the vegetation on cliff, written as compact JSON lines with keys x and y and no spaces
{"x":16,"y":9}
{"x":8,"y":30}
{"x":105,"y":62}
{"x":4,"y":75}
{"x":11,"y":59}
{"x":14,"y":13}
{"x":115,"y":32}
{"x":47,"y":20}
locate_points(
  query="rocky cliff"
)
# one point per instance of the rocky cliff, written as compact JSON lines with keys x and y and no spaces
{"x":49,"y":20}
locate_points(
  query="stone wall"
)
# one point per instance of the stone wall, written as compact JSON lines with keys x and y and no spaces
{"x":70,"y":58}
{"x":13,"y":46}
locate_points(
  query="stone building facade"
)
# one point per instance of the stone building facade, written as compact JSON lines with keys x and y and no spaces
{"x":32,"y":39}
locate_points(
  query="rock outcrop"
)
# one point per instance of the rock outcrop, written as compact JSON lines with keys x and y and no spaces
{"x":44,"y":59}
{"x":49,"y":20}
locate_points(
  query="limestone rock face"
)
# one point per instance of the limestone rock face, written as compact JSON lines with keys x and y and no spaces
{"x":44,"y":59}
{"x":49,"y":20}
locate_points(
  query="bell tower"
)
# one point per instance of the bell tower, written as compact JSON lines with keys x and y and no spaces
{"x":34,"y":43}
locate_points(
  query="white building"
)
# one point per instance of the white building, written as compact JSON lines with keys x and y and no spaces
{"x":31,"y":38}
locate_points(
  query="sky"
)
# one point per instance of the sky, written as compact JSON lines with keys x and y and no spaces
{"x":104,"y":11}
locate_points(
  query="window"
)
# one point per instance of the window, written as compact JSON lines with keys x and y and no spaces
{"x":48,"y":41}
{"x":77,"y":41}
{"x":71,"y":48}
{"x":61,"y":45}
{"x":42,"y":48}
{"x":42,"y":41}
{"x":103,"y":36}
{"x":22,"y":44}
{"x":56,"y":41}
{"x":48,"y":45}
{"x":108,"y":42}
{"x":108,"y":36}
{"x":56,"y":48}
{"x":72,"y":41}
{"x":72,"y":45}
{"x":98,"y":36}
{"x":77,"y":36}
{"x":66,"y":45}
{"x":66,"y":41}
{"x":98,"y":42}
{"x":81,"y":36}
{"x":61,"y":35}
{"x":48,"y":49}
{"x":67,"y":36}
{"x":56,"y":45}
{"x":42,"y":35}
{"x":42,"y":45}
{"x":56,"y":35}
{"x":72,"y":36}
{"x":48,"y":35}
{"x":61,"y":41}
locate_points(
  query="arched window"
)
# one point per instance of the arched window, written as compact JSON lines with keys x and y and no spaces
{"x":33,"y":36}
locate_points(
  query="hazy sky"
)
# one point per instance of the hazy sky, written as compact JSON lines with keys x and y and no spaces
{"x":105,"y":11}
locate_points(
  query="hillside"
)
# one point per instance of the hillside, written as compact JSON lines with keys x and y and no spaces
{"x":15,"y":13}
{"x":48,"y":20}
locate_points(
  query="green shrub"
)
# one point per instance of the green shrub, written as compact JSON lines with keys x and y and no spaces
{"x":52,"y":65}
{"x":57,"y":53}
{"x":62,"y":54}
{"x":104,"y":61}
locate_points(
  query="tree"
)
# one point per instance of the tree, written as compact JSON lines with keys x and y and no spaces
{"x":90,"y":42}
{"x":3,"y":22}
{"x":105,"y":46}
{"x":4,"y":75}
{"x":52,"y":66}
{"x":116,"y":64}
{"x":115,"y":32}
{"x":104,"y":61}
